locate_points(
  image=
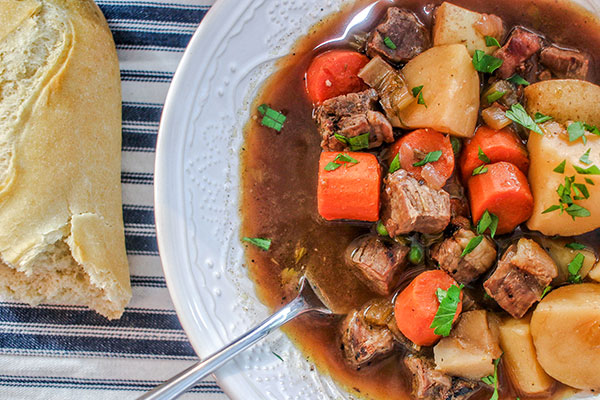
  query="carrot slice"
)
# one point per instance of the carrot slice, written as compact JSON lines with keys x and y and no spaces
{"x":335,"y":73}
{"x":413,"y":147}
{"x":351,"y":190}
{"x":416,"y":306}
{"x":504,"y":191}
{"x":497,"y":145}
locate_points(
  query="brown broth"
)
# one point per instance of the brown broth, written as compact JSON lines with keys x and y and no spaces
{"x":279,"y":180}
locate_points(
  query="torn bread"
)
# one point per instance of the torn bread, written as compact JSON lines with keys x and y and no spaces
{"x":61,"y":223}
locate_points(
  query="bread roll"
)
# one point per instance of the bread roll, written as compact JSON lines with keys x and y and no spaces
{"x":61,"y":223}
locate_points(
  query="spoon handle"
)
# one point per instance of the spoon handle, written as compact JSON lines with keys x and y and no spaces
{"x":189,"y":377}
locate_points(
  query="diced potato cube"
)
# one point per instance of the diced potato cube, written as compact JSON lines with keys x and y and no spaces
{"x":565,"y":100}
{"x":450,"y":91}
{"x":520,"y":358}
{"x":471,"y":348}
{"x":563,"y":255}
{"x":545,"y":154}
{"x":454,"y":24}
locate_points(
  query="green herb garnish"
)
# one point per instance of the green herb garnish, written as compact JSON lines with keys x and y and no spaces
{"x":482,"y":169}
{"x":495,"y":96}
{"x":487,"y":220}
{"x":456,"y":145}
{"x":518,"y":114}
{"x":547,"y":290}
{"x":576,"y":130}
{"x":592,"y":170}
{"x":444,"y":317}
{"x":585,"y":158}
{"x":395,"y":165}
{"x":491,"y":41}
{"x":540,"y":118}
{"x":432,"y":156}
{"x":418,"y":93}
{"x":473,"y":243}
{"x":486,"y":63}
{"x":389,"y":43}
{"x":518,"y":80}
{"x":493,"y":380}
{"x":574,"y":268}
{"x":278,"y":356}
{"x":561,"y":167}
{"x":589,"y":181}
{"x":575,"y":210}
{"x":340,"y":160}
{"x":551,"y":208}
{"x":575,"y":246}
{"x":482,"y":156}
{"x":261,"y":243}
{"x":355,"y":143}
{"x":271,"y":118}
{"x":581,"y":191}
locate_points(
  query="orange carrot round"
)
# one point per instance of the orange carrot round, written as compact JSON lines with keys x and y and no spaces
{"x":504,"y":191}
{"x":414,"y":146}
{"x":335,"y":73}
{"x":416,"y":306}
{"x":501,"y":145}
{"x":351,"y":190}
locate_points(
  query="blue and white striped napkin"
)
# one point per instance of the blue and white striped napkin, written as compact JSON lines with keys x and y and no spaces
{"x":66,"y":352}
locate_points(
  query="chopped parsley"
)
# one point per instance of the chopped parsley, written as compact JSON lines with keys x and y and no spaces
{"x":389,"y":43}
{"x":592,"y":129}
{"x":493,"y":380}
{"x":417,"y":92}
{"x":561,"y":167}
{"x":518,"y":114}
{"x":278,"y":356}
{"x":491,"y":41}
{"x":567,"y":193}
{"x":574,"y":268}
{"x":486,"y":63}
{"x":271,"y":118}
{"x":585,"y":158}
{"x":355,"y":143}
{"x":492,"y":97}
{"x":482,"y":156}
{"x":456,"y":145}
{"x":576,"y":130}
{"x":547,"y":290}
{"x":261,"y":243}
{"x":487,"y":220}
{"x":518,"y":80}
{"x":432,"y":156}
{"x":482,"y":169}
{"x":444,"y":317}
{"x":589,"y":181}
{"x":592,"y":170}
{"x":575,"y":246}
{"x":340,"y":160}
{"x":395,"y":164}
{"x":472,"y":245}
{"x":540,"y":118}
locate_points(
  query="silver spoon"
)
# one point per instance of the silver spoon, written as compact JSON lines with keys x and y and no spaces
{"x":306,"y":301}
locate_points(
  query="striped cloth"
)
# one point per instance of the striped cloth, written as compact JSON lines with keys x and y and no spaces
{"x":66,"y":352}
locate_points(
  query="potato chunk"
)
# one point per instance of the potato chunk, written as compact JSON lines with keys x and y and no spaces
{"x":545,"y":154}
{"x":565,"y":100}
{"x":454,"y":24}
{"x":450,"y":91}
{"x":563,"y":255}
{"x":520,"y":359}
{"x":471,"y":348}
{"x":565,"y":328}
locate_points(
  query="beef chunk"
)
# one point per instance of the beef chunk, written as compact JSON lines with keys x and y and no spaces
{"x":408,"y":205}
{"x":564,"y":63}
{"x":364,"y":339}
{"x":352,"y":115}
{"x":405,"y":31}
{"x":379,"y":262}
{"x":521,"y":45}
{"x":459,"y":204}
{"x":428,"y":383}
{"x":468,"y":268}
{"x":522,"y":274}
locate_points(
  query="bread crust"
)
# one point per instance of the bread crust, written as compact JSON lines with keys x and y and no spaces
{"x":62,"y":182}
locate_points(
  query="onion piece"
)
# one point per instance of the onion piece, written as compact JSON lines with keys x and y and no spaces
{"x":495,"y":117}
